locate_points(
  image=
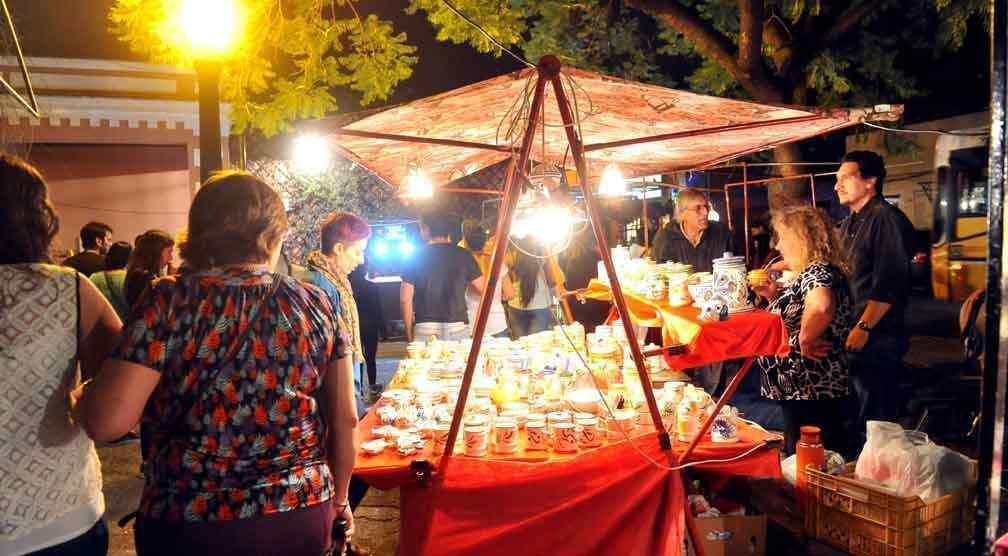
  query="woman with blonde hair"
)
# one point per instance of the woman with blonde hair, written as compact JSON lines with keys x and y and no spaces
{"x":242,"y":378}
{"x":811,"y":382}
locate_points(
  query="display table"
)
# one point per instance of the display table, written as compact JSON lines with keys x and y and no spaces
{"x":742,"y":335}
{"x":624,"y":497}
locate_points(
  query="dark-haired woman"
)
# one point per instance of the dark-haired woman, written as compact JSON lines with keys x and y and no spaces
{"x":54,"y":327}
{"x":535,"y":279}
{"x":242,"y":377}
{"x":112,"y":281}
{"x":149,"y":261}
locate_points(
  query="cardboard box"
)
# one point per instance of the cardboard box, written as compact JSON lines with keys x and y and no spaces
{"x":732,"y":535}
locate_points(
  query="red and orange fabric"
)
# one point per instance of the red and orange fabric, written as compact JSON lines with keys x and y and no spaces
{"x":742,"y":335}
{"x":615,"y":502}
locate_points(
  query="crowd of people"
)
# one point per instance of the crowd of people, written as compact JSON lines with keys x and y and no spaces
{"x":246,"y":376}
{"x":844,"y":307}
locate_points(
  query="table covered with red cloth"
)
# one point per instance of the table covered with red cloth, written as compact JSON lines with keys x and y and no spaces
{"x":612,"y":501}
{"x":749,"y":334}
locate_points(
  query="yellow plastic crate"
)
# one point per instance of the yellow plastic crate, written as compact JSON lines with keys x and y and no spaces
{"x":866,"y":520}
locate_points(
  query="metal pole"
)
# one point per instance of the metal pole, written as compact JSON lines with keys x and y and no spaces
{"x":593,"y":214}
{"x":645,"y":217}
{"x":811,"y":181}
{"x":512,"y":191}
{"x":745,"y":203}
{"x":727,"y":208}
{"x":208,"y":77}
{"x":992,"y":401}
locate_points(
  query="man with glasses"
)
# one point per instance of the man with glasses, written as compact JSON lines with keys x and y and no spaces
{"x":691,"y":238}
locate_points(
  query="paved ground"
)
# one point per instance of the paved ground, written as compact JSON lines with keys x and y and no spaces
{"x":935,"y":360}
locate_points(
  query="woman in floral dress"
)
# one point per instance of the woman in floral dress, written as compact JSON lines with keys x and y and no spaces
{"x":241,"y":376}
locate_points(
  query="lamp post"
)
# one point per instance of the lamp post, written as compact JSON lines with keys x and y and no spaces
{"x":209,"y":29}
{"x":208,"y":78}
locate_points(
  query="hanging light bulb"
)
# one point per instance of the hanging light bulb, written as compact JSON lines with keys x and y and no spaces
{"x":612,"y":184}
{"x":417,"y":185}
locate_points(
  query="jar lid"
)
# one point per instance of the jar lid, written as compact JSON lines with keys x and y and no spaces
{"x":729,"y":258}
{"x":810,"y":434}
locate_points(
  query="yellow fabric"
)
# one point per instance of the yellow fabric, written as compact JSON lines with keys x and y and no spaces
{"x":678,"y":324}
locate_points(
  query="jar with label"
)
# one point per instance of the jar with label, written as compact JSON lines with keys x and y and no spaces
{"x":731,"y":283}
{"x":588,"y":432}
{"x":505,"y":436}
{"x":536,"y":438}
{"x":475,"y":439}
{"x":686,"y":420}
{"x":565,"y":437}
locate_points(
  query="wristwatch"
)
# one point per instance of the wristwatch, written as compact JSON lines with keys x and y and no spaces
{"x":864,"y":326}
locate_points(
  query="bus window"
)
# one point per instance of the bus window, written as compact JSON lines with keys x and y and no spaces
{"x":970,"y":175}
{"x":941,"y":206}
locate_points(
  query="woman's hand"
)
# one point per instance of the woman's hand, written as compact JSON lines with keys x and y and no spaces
{"x":768,"y":290}
{"x":345,"y":513}
{"x":814,"y":348}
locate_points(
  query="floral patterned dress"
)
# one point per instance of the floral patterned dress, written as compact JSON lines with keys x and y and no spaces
{"x":242,"y":436}
{"x":794,"y":377}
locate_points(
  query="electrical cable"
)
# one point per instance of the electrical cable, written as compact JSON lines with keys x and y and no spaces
{"x":930,"y":131}
{"x":121,"y":211}
{"x":486,"y":34}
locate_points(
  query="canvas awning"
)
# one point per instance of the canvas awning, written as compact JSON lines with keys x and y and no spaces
{"x":645,"y":129}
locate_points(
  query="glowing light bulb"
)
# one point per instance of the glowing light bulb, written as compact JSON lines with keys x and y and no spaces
{"x":612,"y":183}
{"x":209,"y":27}
{"x":417,"y":185}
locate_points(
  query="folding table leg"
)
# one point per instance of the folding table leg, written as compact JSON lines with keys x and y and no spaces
{"x":692,"y":532}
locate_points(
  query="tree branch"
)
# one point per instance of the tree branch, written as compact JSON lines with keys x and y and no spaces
{"x":704,"y":36}
{"x":715,"y":46}
{"x":843,"y":24}
{"x":751,"y":36}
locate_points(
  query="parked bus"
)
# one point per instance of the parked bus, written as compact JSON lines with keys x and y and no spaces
{"x":959,"y":244}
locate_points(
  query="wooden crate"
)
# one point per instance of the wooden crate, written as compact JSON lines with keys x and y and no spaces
{"x":866,"y":520}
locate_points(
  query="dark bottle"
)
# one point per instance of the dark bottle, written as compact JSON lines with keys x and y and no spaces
{"x":339,"y":538}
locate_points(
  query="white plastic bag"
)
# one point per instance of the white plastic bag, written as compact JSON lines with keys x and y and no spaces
{"x":909,"y":464}
{"x":881,"y":457}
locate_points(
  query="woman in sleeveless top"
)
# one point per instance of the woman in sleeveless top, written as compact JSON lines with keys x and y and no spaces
{"x":51,"y":319}
{"x":242,"y":379}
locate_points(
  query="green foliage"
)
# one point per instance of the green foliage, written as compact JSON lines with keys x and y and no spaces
{"x":293,"y":55}
{"x":308,"y":198}
{"x":862,"y":68}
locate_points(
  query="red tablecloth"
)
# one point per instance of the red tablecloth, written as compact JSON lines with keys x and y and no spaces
{"x":613,"y":502}
{"x":742,"y":335}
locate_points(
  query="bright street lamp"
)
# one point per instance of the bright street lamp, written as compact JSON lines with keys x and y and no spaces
{"x":311,"y":154}
{"x":209,"y":31}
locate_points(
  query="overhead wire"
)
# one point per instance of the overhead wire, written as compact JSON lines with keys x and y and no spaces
{"x":929,"y":131}
{"x":486,"y":34}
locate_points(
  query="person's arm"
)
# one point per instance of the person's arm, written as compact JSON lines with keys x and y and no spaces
{"x":890,"y":278}
{"x":477,"y":285}
{"x":507,"y":286}
{"x":816,"y":317}
{"x":341,"y":440}
{"x":406,"y":305}
{"x":100,"y":328}
{"x":111,"y":405}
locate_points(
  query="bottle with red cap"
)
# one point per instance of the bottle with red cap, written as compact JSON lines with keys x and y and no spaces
{"x":809,"y":451}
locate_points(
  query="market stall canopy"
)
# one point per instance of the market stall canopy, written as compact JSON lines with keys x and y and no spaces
{"x":645,"y":129}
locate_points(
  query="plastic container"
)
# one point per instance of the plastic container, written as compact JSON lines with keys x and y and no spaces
{"x":864,"y":519}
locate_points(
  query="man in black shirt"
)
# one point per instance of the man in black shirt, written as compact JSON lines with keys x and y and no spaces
{"x":691,"y":238}
{"x":432,"y":294}
{"x":878,"y":238}
{"x":96,"y":238}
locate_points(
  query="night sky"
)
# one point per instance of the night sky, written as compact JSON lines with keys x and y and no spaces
{"x":77,"y":28}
